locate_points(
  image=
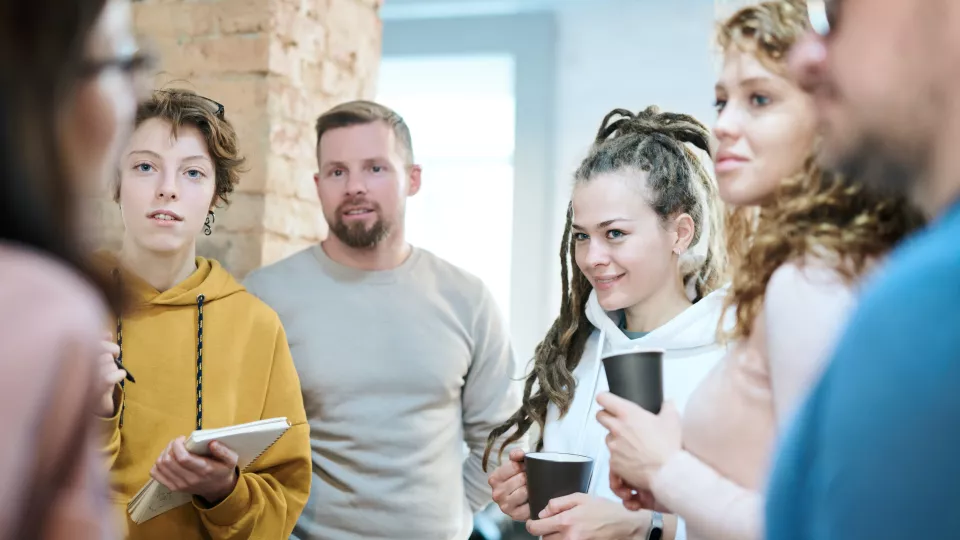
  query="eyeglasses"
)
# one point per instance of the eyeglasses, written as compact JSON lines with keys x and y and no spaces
{"x":215,"y":107}
{"x":128,"y":64}
{"x":138,"y":67}
{"x":823,"y":15}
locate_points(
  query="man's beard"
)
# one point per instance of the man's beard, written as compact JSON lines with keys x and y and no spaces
{"x":887,"y":173}
{"x":357,"y":235}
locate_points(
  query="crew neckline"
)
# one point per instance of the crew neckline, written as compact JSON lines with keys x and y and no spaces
{"x":344,"y":273}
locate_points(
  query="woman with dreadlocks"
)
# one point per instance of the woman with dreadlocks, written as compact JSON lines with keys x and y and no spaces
{"x":644,"y":234}
{"x":813,"y":237}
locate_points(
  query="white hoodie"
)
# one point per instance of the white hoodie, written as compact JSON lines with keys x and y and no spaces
{"x":690,"y":342}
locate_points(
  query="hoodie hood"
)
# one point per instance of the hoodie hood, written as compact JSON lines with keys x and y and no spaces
{"x":209,"y":279}
{"x":207,"y":284}
{"x":694,"y":328}
{"x":691,"y":349}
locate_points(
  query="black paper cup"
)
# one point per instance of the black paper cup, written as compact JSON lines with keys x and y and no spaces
{"x":637,"y":377}
{"x":552,"y":474}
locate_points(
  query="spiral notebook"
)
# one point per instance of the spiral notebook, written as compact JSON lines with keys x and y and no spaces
{"x":249,"y":441}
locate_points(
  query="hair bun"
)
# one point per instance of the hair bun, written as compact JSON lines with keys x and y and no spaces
{"x":681,"y":127}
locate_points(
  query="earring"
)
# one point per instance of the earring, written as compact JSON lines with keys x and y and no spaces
{"x":207,"y":223}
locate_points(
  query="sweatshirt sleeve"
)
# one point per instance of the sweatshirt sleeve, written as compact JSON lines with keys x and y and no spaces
{"x":273,"y":491}
{"x":109,"y":429}
{"x":804,"y":310}
{"x":490,"y":395}
{"x":711,"y":506}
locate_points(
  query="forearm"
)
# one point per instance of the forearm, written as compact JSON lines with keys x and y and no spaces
{"x":713,"y":505}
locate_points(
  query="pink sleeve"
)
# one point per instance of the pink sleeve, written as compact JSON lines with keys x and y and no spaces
{"x":805,"y":309}
{"x":712,"y":506}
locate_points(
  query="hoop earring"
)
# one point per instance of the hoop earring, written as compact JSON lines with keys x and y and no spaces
{"x":207,"y":223}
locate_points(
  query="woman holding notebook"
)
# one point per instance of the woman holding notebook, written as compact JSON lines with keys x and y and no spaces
{"x":202,"y":351}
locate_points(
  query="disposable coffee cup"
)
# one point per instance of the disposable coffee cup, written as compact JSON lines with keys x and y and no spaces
{"x":638,"y":377}
{"x":553,"y":474}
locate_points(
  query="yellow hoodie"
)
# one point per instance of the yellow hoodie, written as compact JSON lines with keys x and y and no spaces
{"x":248,"y":375}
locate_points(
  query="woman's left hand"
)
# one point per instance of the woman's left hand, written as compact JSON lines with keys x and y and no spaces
{"x":211,"y":478}
{"x":632,"y":499}
{"x":639,"y":442}
{"x":583,"y":517}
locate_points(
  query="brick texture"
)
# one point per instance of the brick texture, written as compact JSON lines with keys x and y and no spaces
{"x":275,"y":65}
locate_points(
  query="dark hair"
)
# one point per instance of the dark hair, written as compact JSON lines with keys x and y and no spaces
{"x":42,"y":48}
{"x":360,"y":112}
{"x":653,"y":142}
{"x":185,"y":107}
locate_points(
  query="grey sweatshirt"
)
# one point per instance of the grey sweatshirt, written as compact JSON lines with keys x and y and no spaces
{"x":398,"y":369}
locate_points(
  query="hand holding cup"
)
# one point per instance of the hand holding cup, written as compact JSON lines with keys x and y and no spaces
{"x":509,"y":483}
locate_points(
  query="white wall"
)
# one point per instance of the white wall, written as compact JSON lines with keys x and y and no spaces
{"x":629,"y":54}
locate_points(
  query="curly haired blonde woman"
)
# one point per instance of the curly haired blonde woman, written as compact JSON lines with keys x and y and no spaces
{"x":811,"y":238}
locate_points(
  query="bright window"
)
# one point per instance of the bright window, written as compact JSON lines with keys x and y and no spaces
{"x":460,"y":110}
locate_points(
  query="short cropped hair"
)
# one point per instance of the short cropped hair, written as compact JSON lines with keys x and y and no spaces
{"x":360,"y":112}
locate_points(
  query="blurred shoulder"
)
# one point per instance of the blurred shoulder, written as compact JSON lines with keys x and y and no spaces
{"x":812,"y":278}
{"x":44,"y":302}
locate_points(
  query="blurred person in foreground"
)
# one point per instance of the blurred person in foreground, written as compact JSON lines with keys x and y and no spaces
{"x":873,"y":454}
{"x":68,"y":91}
{"x":813,"y":239}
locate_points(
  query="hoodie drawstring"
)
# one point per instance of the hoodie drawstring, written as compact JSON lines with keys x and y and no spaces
{"x":116,"y":278}
{"x":596,"y":380}
{"x":200,"y":300}
{"x":120,"y":361}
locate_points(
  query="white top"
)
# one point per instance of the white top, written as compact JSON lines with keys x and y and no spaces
{"x":691,"y":350}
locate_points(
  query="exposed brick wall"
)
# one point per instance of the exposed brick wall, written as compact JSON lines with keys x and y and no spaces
{"x":275,"y":65}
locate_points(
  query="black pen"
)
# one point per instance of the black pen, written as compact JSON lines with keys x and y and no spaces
{"x":129,"y":376}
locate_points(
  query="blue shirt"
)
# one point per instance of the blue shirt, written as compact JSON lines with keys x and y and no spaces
{"x":875,"y":452}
